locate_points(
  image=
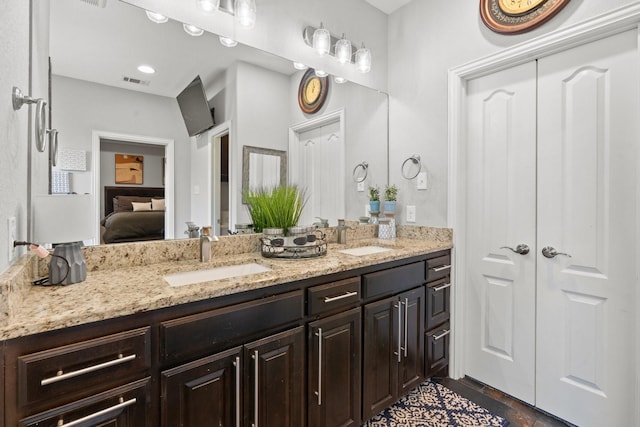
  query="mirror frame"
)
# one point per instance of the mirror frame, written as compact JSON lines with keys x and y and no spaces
{"x":247,"y":150}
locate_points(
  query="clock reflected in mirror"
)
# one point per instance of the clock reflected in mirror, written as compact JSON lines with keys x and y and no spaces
{"x":518,"y":16}
{"x":312,"y":92}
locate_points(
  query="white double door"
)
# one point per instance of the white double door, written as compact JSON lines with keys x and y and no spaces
{"x":552,"y":163}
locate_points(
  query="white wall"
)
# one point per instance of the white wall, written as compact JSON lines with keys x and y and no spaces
{"x":14,"y":51}
{"x":81,"y":107}
{"x":428,"y":38}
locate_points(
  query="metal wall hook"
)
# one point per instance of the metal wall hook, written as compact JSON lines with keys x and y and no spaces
{"x":415,"y":159}
{"x":18,"y":99}
{"x":365,"y":170}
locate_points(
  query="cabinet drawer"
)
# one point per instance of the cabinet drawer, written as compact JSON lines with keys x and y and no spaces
{"x":438,"y":267}
{"x":80,"y":368}
{"x":335,"y":295}
{"x":438,"y":302}
{"x":437,"y":350}
{"x":202,"y":333}
{"x":126,"y":406}
{"x":393,"y":280}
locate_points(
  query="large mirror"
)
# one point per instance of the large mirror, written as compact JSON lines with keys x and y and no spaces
{"x":99,"y":98}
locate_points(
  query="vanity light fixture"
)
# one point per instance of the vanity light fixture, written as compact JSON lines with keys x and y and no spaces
{"x":299,"y":66}
{"x":321,"y":40}
{"x":192,"y":30}
{"x":343,"y":50}
{"x":321,"y":73}
{"x":339,"y":80}
{"x":245,"y":13}
{"x":227,"y":41}
{"x":363,"y":59}
{"x":158,"y":18}
{"x":147,"y":69}
{"x":208,"y":6}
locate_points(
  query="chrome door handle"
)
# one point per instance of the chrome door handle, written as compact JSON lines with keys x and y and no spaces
{"x":551,"y":252}
{"x":256,"y":388}
{"x":319,"y":392}
{"x":236,"y":363}
{"x":521,"y":249}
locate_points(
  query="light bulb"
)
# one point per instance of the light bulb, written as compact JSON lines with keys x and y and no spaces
{"x":208,"y":6}
{"x":158,"y":18}
{"x":363,"y":59}
{"x":299,"y":66}
{"x":321,"y":40}
{"x":343,"y":50}
{"x":245,"y":13}
{"x":192,"y":30}
{"x":227,"y":42}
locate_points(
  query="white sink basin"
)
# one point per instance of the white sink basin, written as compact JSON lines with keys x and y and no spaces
{"x":218,"y":273}
{"x":365,"y":250}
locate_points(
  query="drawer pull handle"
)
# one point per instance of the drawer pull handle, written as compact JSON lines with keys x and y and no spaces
{"x":90,"y":417}
{"x":61,"y":376}
{"x":439,"y":288}
{"x":442,"y":335}
{"x":442,"y":268}
{"x":339,"y":297}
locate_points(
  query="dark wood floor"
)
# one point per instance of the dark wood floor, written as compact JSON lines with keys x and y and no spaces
{"x":518,"y":413}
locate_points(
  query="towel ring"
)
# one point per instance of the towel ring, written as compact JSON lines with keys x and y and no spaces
{"x":415,"y":159}
{"x":357,"y":177}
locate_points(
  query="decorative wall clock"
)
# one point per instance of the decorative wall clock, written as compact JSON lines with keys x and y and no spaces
{"x":312,"y":91}
{"x":518,"y":16}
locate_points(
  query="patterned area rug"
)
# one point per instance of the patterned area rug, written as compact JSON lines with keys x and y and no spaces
{"x":434,"y":405}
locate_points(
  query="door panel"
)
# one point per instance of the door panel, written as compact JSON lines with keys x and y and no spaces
{"x":501,"y":188}
{"x":588,"y":132}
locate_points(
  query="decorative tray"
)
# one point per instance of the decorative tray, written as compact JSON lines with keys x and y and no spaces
{"x":276,"y":248}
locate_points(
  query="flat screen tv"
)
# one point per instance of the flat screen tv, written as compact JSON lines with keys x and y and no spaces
{"x":193,"y":104}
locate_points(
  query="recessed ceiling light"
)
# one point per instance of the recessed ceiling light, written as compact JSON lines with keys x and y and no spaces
{"x":339,"y":79}
{"x":192,"y":30}
{"x":158,"y":18}
{"x":321,"y":73}
{"x":227,"y":42}
{"x":299,"y":66}
{"x":147,"y":69}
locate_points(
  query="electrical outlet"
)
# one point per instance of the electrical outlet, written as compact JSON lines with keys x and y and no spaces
{"x":360,"y":186}
{"x":12,"y":234}
{"x":421,"y":182}
{"x":411,"y":213}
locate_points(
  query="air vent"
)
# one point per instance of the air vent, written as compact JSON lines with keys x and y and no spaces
{"x":97,"y":3}
{"x":135,"y":81}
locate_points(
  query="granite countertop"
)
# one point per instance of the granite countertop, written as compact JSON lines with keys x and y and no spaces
{"x":113,"y":292}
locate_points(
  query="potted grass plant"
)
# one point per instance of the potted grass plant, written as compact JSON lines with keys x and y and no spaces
{"x":374,"y":198}
{"x":278,"y":207}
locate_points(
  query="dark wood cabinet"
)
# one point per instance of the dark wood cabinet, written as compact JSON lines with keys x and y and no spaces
{"x":393,"y":349}
{"x":274,"y":379}
{"x":126,"y":406}
{"x":438,"y":313}
{"x":334,"y":367}
{"x":204,"y":392}
{"x":437,"y":351}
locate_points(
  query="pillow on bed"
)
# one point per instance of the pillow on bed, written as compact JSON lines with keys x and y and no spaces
{"x":124,"y":202}
{"x":141,"y":206}
{"x":157,"y":205}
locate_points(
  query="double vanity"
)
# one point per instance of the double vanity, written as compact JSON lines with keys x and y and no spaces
{"x":155,"y":338}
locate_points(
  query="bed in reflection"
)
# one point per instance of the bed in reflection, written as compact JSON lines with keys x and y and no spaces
{"x":133,"y":214}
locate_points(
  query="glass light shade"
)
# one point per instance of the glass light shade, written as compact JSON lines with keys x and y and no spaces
{"x":363,"y":59}
{"x":158,"y":18}
{"x":343,"y":50}
{"x":208,"y":6}
{"x":321,"y":73}
{"x":227,"y":42}
{"x":321,"y":40}
{"x":192,"y":30}
{"x":299,"y":66}
{"x":245,"y":13}
{"x":339,"y":80}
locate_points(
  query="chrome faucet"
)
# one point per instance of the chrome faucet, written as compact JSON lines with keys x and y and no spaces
{"x":205,"y":244}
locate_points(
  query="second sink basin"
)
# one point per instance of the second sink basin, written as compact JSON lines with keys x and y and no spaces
{"x":218,"y":273}
{"x":365,"y":250}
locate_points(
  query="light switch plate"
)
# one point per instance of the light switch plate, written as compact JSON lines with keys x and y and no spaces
{"x":421,"y":182}
{"x":361,"y":186}
{"x":411,"y":213}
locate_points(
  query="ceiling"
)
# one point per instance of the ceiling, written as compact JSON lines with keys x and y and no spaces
{"x":388,"y":6}
{"x":105,"y":44}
